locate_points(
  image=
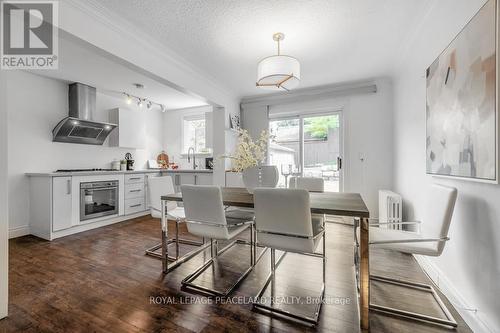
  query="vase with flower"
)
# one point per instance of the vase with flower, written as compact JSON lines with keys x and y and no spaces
{"x":249,"y":159}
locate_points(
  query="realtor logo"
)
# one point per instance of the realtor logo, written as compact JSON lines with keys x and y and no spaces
{"x":29,"y":35}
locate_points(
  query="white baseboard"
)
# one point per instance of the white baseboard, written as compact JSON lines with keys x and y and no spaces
{"x":94,"y":225}
{"x":19,"y":231}
{"x":476,"y":320}
{"x":26,"y":230}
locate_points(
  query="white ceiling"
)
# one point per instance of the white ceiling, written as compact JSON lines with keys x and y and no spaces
{"x":82,"y":62}
{"x":335,"y":40}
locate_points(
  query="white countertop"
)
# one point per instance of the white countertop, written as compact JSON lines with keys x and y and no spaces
{"x":91,"y":173}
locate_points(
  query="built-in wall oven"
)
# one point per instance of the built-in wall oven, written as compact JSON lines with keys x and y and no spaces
{"x":98,"y":199}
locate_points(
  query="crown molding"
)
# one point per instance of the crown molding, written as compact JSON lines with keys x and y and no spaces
{"x":145,"y":42}
{"x":312,"y":93}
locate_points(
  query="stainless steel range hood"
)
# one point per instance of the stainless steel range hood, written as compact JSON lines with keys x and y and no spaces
{"x":80,"y":127}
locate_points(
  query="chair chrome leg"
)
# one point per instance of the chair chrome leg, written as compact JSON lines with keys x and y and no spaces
{"x":153,"y":251}
{"x":164,"y":237}
{"x":211,"y":248}
{"x":271,"y":279}
{"x":255,"y":245}
{"x":324,"y":257}
{"x":273,"y":274}
{"x":187,"y":282}
{"x":166,"y":267}
{"x":449,"y":322}
{"x":177,"y":221}
{"x":252,"y":244}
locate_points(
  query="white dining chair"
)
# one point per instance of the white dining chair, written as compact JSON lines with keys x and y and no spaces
{"x":283,"y":222}
{"x":206,"y":217}
{"x":158,"y":186}
{"x":429,"y":241}
{"x":311,"y":184}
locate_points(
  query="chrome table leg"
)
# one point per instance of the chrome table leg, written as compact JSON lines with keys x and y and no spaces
{"x":164,"y":237}
{"x":177,"y":222}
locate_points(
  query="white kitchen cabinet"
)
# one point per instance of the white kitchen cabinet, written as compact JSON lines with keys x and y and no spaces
{"x":61,"y":203}
{"x":135,"y":193}
{"x":131,"y":130}
{"x":136,"y":190}
{"x":55,"y":199}
{"x":134,"y":205}
{"x":183,"y":179}
{"x":147,"y":200}
{"x":195,"y":178}
{"x":134,"y":178}
{"x":204,"y":179}
{"x":188,"y":179}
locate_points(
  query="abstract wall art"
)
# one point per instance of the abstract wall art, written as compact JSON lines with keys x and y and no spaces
{"x":461,"y":108}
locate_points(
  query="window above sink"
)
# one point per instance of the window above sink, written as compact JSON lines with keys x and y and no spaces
{"x":194,"y":134}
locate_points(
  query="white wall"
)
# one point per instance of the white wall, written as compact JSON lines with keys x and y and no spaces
{"x":255,"y":119}
{"x":36,"y":104}
{"x":4,"y":222}
{"x":469,"y":269}
{"x":367,"y":120}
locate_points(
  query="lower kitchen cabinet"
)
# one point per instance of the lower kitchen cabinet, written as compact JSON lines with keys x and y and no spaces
{"x":146,"y":188}
{"x":61,"y":203}
{"x":134,"y":205}
{"x":184,"y":178}
{"x":135,"y":194}
{"x":55,"y":201}
{"x":204,"y":179}
{"x":51,"y":206}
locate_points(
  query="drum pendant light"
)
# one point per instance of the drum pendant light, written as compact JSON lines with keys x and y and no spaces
{"x":278,"y":72}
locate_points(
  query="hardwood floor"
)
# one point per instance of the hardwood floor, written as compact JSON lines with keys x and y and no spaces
{"x":101,"y":281}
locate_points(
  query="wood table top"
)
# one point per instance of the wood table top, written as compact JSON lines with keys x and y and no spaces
{"x":330,"y":203}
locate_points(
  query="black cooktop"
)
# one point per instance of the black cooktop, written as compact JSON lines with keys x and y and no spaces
{"x":83,"y":170}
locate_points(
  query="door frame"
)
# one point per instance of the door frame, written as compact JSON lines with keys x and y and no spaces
{"x":301,"y":116}
{"x":4,"y":218}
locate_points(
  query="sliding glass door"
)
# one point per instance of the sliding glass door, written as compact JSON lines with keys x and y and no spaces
{"x":321,"y":157}
{"x":285,"y":147}
{"x":308,"y":146}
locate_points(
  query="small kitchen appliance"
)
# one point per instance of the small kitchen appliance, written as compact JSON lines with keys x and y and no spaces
{"x":209,"y":163}
{"x":130,"y":162}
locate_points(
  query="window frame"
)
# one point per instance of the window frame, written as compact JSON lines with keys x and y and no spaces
{"x":193,"y":117}
{"x":303,"y":115}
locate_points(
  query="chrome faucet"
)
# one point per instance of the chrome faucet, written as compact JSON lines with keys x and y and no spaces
{"x":194,"y":159}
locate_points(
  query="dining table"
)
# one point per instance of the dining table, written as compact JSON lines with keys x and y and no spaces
{"x":327,"y":203}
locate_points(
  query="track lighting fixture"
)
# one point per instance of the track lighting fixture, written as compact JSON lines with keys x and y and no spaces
{"x":141,"y":101}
